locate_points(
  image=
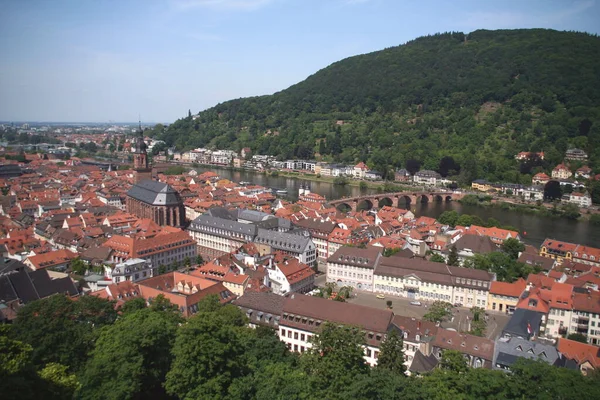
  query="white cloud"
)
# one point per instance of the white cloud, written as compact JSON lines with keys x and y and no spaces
{"x":234,"y":5}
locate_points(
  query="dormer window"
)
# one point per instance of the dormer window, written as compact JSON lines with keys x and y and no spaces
{"x":417,"y":337}
{"x":405,"y":335}
{"x":519,"y":348}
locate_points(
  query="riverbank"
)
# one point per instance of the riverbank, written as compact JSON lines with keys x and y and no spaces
{"x":382,"y":186}
{"x":554,"y":210}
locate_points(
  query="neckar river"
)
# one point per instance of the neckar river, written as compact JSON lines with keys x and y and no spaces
{"x":534,"y":229}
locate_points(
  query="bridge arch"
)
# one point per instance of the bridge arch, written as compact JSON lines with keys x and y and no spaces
{"x":385,"y":201}
{"x":422,"y":198}
{"x":448,"y":198}
{"x":438,"y":198}
{"x":343,"y":207}
{"x":364,"y":204}
{"x":404,"y":201}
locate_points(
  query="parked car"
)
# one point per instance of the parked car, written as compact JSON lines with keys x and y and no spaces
{"x":380,"y":296}
{"x":457,"y":304}
{"x":415,"y":303}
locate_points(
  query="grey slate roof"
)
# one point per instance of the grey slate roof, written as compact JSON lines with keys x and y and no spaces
{"x":30,"y":286}
{"x":477,"y":244}
{"x":223,"y":227}
{"x":517,"y":324}
{"x":155,"y":193}
{"x":508,"y":351}
{"x":363,"y":258}
{"x":259,"y":301}
{"x":544,"y":263}
{"x":282,"y":241}
{"x":422,"y":363}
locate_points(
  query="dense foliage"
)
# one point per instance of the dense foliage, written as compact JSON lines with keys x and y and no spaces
{"x":464,"y":105}
{"x":152,"y":353}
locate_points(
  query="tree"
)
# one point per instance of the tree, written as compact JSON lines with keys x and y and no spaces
{"x":448,"y":218}
{"x":552,"y":190}
{"x":513,"y":247}
{"x":336,"y":357}
{"x":570,"y":211}
{"x":132,"y":357}
{"x":412,"y":166}
{"x":208,"y":352}
{"x":439,"y":311}
{"x":453,"y":259}
{"x":391,"y":356}
{"x":199,"y":260}
{"x":453,"y":360}
{"x":578,"y":337}
{"x":478,"y":324}
{"x":78,"y":266}
{"x":58,"y":382}
{"x":133,"y":305}
{"x":437,"y":258}
{"x":61,"y":330}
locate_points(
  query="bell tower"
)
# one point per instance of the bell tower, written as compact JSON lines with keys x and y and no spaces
{"x":140,"y":158}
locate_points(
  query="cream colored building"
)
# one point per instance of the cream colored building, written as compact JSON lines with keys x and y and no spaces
{"x":424,"y":280}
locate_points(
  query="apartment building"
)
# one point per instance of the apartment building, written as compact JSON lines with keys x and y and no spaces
{"x":163,"y":249}
{"x":424,"y":280}
{"x":303,"y":316}
{"x":353,"y":266}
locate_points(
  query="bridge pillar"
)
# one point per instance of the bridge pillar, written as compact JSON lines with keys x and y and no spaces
{"x":354,"y":205}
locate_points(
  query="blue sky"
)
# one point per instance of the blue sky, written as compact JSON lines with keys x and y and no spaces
{"x":103,"y":60}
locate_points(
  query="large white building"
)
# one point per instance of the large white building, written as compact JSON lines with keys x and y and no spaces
{"x":224,"y":231}
{"x":427,"y":177}
{"x":424,"y":280}
{"x":353,"y":266}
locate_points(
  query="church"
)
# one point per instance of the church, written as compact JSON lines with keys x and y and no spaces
{"x":151,"y":199}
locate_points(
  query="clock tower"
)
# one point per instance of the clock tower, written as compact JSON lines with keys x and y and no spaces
{"x":140,"y":158}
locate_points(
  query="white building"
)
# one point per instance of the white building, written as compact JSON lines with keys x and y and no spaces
{"x":579,"y":199}
{"x":353,"y":266}
{"x":134,"y":269}
{"x":303,"y":316}
{"x":427,"y":177}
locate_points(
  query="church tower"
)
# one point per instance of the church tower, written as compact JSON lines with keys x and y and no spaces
{"x":140,"y":158}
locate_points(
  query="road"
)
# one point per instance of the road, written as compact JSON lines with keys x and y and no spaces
{"x":402,"y":306}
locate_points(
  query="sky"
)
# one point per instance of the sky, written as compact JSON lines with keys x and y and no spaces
{"x":115,"y":60}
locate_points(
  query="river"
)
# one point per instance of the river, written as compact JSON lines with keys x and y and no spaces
{"x":533,"y":228}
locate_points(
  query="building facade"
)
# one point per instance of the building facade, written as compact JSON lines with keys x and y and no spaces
{"x":353,"y":266}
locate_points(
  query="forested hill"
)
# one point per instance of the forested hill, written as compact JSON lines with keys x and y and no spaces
{"x":478,"y":98}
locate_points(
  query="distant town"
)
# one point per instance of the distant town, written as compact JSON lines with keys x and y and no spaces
{"x":95,"y":214}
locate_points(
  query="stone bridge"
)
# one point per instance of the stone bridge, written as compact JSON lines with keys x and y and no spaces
{"x":400,"y":199}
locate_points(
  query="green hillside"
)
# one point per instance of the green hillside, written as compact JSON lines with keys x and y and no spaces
{"x":461,"y":104}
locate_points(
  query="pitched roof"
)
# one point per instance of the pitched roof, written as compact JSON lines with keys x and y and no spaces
{"x":155,"y":193}
{"x":260,"y":301}
{"x":369,"y":318}
{"x":465,"y":343}
{"x":364,"y":258}
{"x":580,"y":352}
{"x":508,"y":289}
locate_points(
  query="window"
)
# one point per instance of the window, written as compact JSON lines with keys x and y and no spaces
{"x":302,"y":337}
{"x":290,"y":334}
{"x":376,"y":355}
{"x":283,"y":332}
{"x":296,"y":335}
{"x":368,"y":352}
{"x":295,"y":347}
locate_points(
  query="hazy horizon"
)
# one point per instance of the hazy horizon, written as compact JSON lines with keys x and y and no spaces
{"x":86,"y":62}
